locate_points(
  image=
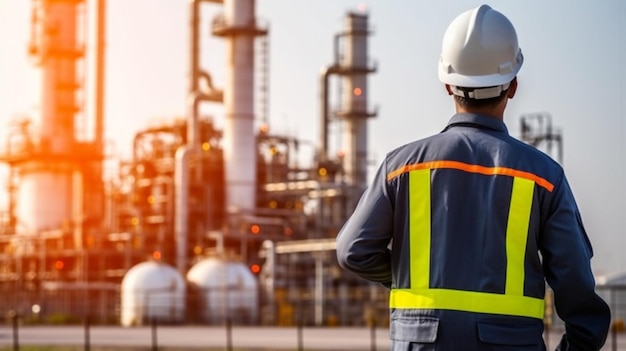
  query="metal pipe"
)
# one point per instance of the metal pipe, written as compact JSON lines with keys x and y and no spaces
{"x":319,"y":290}
{"x":181,"y":204}
{"x":181,"y":180}
{"x":324,"y":118}
{"x":213,"y":94}
{"x":99,"y":74}
{"x":337,"y":40}
{"x":193,"y":102}
{"x":325,"y":73}
{"x":194,"y":47}
{"x":207,"y":78}
{"x":268,"y":251}
{"x":194,"y":44}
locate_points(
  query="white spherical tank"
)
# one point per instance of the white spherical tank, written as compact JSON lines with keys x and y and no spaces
{"x":152,"y":290}
{"x":225,"y":289}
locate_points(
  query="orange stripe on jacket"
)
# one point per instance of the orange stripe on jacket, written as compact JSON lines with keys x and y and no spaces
{"x":472,"y":169}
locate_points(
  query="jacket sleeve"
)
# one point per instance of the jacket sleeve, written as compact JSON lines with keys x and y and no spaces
{"x":363,"y":241}
{"x":567,"y":252}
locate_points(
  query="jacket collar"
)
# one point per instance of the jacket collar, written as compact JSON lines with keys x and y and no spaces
{"x":478,"y":121}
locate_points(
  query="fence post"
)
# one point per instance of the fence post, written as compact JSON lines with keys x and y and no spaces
{"x":616,"y":326}
{"x":154,"y":334}
{"x":370,"y":320}
{"x":613,"y":337}
{"x":87,"y":337}
{"x":300,"y":341}
{"x":229,"y":334}
{"x":13,"y":317}
{"x":373,"y":334}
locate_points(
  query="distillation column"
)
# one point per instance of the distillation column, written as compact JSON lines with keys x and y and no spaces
{"x":48,"y":182}
{"x":354,"y":68}
{"x":238,"y":26}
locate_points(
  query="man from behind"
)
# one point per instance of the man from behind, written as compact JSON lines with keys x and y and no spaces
{"x":465,"y":227}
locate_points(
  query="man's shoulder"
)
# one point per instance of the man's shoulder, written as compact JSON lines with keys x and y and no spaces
{"x":411,"y":147}
{"x":534,"y":153}
{"x":501,"y":150}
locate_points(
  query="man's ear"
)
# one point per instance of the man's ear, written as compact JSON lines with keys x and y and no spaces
{"x":448,"y":89}
{"x":512,"y":88}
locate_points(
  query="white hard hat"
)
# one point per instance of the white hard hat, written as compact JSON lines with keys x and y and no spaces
{"x":480,"y":49}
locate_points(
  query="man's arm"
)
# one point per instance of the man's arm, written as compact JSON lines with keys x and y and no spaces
{"x":566,"y":253}
{"x":362,"y":243}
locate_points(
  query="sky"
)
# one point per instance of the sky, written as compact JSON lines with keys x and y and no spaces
{"x":575,"y":53}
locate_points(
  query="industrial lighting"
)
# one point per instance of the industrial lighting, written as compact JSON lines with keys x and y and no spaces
{"x":264,"y":128}
{"x":255,"y":268}
{"x":288,"y":231}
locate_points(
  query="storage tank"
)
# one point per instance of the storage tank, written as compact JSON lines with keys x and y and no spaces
{"x":224,"y":288}
{"x":152,"y":290}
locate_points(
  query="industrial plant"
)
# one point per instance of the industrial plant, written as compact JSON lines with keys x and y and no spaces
{"x":202,"y":225}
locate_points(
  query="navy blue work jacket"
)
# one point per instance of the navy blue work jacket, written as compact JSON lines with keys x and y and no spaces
{"x":460,"y":224}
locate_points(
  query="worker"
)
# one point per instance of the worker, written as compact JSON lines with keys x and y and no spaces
{"x":466,"y":226}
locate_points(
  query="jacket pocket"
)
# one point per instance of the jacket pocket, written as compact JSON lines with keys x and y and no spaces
{"x":417,"y":329}
{"x":513,"y":334}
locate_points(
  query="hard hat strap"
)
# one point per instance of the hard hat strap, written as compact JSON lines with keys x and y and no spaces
{"x":479,"y":93}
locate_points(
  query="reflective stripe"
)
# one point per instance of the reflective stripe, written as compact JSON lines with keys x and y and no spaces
{"x":419,"y":228}
{"x":517,"y":234}
{"x":420,"y":296}
{"x":468,"y":301}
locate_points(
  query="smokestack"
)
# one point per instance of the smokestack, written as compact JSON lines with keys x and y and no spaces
{"x":352,"y":65}
{"x":238,"y":26}
{"x":355,"y":93}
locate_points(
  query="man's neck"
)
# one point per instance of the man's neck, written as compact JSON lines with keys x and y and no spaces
{"x":495,"y":111}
